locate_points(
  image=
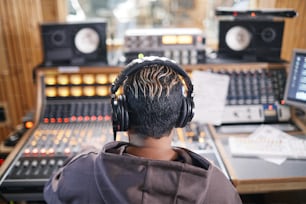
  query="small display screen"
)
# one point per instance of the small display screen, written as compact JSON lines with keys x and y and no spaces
{"x":177,"y":40}
{"x":296,"y":82}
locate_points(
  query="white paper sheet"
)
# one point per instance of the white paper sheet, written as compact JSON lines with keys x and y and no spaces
{"x":273,"y":133}
{"x":210,"y":91}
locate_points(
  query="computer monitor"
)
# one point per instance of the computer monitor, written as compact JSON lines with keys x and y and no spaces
{"x":295,"y":92}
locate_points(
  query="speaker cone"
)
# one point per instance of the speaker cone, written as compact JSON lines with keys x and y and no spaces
{"x":238,"y":38}
{"x":268,"y":34}
{"x":58,"y":37}
{"x":87,"y":40}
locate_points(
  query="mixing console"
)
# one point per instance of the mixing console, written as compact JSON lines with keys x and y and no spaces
{"x":77,"y":111}
{"x":51,"y":144}
{"x":256,"y":86}
{"x":256,"y":96}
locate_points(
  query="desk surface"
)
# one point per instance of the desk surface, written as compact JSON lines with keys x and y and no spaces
{"x":255,"y":175}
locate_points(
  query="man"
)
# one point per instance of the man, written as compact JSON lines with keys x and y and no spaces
{"x":147,"y":169}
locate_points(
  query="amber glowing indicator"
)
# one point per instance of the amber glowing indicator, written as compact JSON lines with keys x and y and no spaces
{"x":101,"y":78}
{"x":63,"y":79}
{"x":75,"y":79}
{"x":177,"y":40}
{"x":102,"y":90}
{"x":63,"y":91}
{"x":89,"y":91}
{"x":28,"y":124}
{"x":88,"y":79}
{"x":184,"y":39}
{"x":169,"y":40}
{"x":51,"y":92}
{"x":76,"y":91}
{"x":50,"y":80}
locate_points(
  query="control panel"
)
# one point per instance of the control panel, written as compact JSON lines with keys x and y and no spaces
{"x":256,"y":96}
{"x":184,"y":45}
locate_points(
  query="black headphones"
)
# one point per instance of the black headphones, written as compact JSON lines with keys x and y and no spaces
{"x":120,"y":116}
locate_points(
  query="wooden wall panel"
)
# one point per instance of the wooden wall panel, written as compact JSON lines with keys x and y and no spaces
{"x":20,"y":52}
{"x":295,"y":29}
{"x":54,"y":10}
{"x":3,"y":75}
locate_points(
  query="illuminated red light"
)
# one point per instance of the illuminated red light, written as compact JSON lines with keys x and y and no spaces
{"x":43,"y":151}
{"x":253,"y":14}
{"x":199,"y":39}
{"x":46,"y":120}
{"x":50,"y":151}
{"x":73,"y":118}
{"x":93,"y":117}
{"x":1,"y":161}
{"x":80,"y":118}
{"x":35,"y":151}
{"x":59,"y":120}
{"x":282,"y":102}
{"x":107,"y":117}
{"x":270,"y":107}
{"x":53,"y":120}
{"x":66,"y":120}
{"x":27,"y":151}
{"x":86,"y":118}
{"x":67,"y":151}
{"x":100,"y":117}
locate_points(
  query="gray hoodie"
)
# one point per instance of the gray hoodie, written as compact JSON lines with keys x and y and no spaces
{"x":113,"y":176}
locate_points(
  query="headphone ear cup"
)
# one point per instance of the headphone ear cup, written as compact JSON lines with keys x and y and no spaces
{"x":187,"y":112}
{"x":182,"y":117}
{"x":190,"y":109}
{"x":115,"y":115}
{"x":123,"y":113}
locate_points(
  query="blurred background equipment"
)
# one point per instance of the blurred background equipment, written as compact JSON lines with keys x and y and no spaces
{"x":295,"y":93}
{"x":184,"y":45}
{"x":255,"y":40}
{"x":252,"y":35}
{"x":74,"y":43}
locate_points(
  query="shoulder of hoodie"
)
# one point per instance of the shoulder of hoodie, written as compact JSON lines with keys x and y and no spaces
{"x":90,"y":153}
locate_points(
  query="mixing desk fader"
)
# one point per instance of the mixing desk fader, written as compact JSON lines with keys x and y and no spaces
{"x":74,"y":112}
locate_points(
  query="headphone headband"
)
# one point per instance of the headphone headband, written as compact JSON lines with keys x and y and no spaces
{"x":138,"y":64}
{"x":119,"y":105}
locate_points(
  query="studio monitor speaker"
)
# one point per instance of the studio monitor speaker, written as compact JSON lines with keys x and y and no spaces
{"x":259,"y":40}
{"x":74,"y":43}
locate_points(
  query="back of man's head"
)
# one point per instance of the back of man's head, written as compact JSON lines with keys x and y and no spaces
{"x":154,"y":98}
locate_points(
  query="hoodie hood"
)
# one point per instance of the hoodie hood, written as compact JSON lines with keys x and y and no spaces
{"x":140,"y":180}
{"x":112,"y":176}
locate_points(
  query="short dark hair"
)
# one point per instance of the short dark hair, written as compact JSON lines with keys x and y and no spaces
{"x":154,"y":96}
